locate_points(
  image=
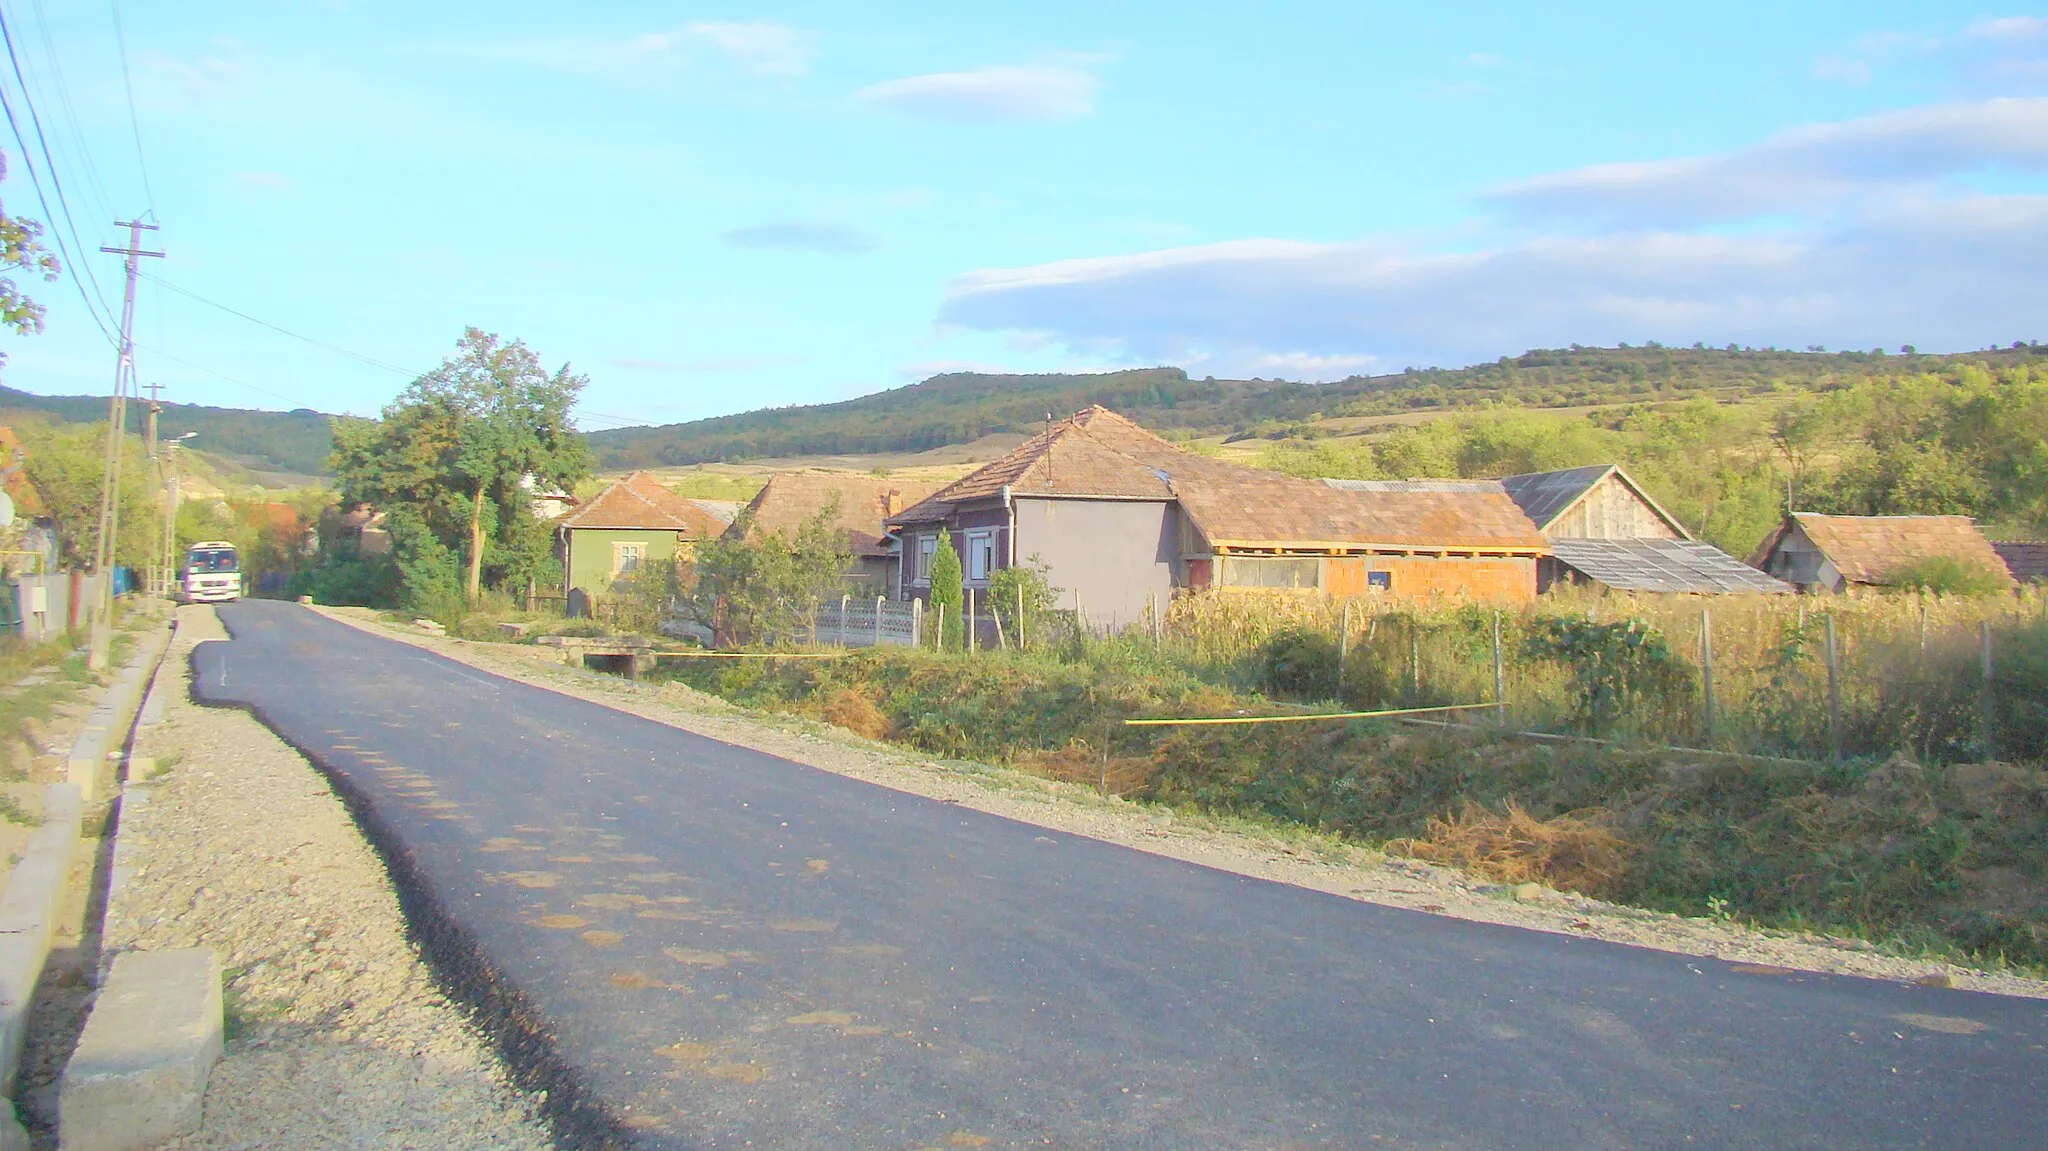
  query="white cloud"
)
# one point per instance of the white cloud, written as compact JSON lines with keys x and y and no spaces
{"x":763,"y":47}
{"x":998,"y":92}
{"x":1799,"y":168}
{"x":807,"y":237}
{"x":2009,"y":28}
{"x":266,"y":181}
{"x":1949,"y":273}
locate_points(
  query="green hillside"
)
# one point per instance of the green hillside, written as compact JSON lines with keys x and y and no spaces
{"x":296,"y":441}
{"x":962,"y":407}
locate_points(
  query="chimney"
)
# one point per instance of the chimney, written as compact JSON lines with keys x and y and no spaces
{"x":892,"y":502}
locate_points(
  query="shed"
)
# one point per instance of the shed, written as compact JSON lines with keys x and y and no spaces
{"x":1829,"y":553}
{"x":1598,"y":501}
{"x":633,"y":522}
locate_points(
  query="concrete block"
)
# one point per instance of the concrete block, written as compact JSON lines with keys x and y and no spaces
{"x":138,"y":1076}
{"x":28,"y":914}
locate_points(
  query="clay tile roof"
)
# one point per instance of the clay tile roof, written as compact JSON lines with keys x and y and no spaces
{"x":2027,"y":560}
{"x":1867,"y":549}
{"x":1104,"y":455}
{"x":792,"y":499}
{"x":1663,"y":566}
{"x":640,"y":502}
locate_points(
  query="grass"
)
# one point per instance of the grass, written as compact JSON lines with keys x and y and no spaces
{"x":1946,"y":859}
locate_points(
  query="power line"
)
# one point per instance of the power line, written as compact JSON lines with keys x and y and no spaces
{"x":58,"y":237}
{"x":134,"y":121}
{"x":292,"y":400}
{"x":56,"y":182}
{"x":103,"y":205}
{"x":335,"y":348}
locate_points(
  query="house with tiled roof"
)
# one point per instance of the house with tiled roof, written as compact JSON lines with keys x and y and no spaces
{"x":2025,"y":560}
{"x":633,"y":523}
{"x":1605,"y":529}
{"x":1832,"y":553}
{"x":1121,"y":518}
{"x":859,"y":508}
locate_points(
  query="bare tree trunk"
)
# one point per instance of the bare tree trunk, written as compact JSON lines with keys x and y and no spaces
{"x":476,"y":543}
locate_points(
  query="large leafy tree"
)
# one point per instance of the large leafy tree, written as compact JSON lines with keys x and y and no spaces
{"x":756,"y":586}
{"x":454,"y":462}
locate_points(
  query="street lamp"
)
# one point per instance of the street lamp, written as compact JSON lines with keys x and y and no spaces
{"x":171,"y":512}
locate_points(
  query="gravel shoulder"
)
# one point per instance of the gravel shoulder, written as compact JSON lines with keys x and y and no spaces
{"x":1302,"y":859}
{"x":337,"y":1033}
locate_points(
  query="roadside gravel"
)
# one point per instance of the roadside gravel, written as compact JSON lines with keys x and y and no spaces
{"x":1302,"y":859}
{"x":338,"y":1036}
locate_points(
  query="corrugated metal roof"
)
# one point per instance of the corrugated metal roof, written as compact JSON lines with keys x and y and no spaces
{"x":1543,"y":496}
{"x":1663,"y":566}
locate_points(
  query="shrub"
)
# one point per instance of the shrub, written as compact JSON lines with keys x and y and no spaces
{"x":1947,"y":575}
{"x":1301,"y":663}
{"x":1571,"y":852}
{"x":855,"y":712}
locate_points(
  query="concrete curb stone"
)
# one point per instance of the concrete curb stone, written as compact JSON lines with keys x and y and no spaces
{"x":138,"y":1076}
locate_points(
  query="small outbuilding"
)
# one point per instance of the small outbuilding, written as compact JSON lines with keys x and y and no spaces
{"x":1830,"y":553}
{"x":2025,"y":560}
{"x":634,"y":522}
{"x":1605,"y":529}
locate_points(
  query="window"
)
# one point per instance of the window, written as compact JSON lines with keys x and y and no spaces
{"x":981,"y":554}
{"x":1270,"y":571}
{"x":1378,"y":583}
{"x":626,"y":559}
{"x":927,"y":547}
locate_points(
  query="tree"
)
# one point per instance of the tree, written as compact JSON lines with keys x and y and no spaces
{"x":453,"y":464}
{"x":948,"y":593}
{"x":756,"y":586}
{"x":66,"y":463}
{"x":21,"y":250}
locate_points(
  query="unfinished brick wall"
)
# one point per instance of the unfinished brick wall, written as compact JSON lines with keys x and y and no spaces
{"x":1493,"y":579}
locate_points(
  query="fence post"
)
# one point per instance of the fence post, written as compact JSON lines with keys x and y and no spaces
{"x":1415,"y":655}
{"x":1922,"y":597}
{"x":1834,"y":691}
{"x":1707,"y":669}
{"x":878,"y":621}
{"x":939,"y":633}
{"x":1500,"y":677}
{"x":1984,"y":700}
{"x":1343,"y":646}
{"x":973,"y":641}
{"x":916,"y":623}
{"x":1020,"y":615}
{"x":845,"y":601}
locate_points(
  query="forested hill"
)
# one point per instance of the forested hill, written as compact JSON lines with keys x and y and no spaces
{"x":295,"y":441}
{"x":961,"y":407}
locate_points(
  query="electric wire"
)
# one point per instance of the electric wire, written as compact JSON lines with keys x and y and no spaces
{"x":335,"y":348}
{"x":56,"y":181}
{"x":55,"y":236}
{"x":103,"y":204}
{"x":134,"y":121}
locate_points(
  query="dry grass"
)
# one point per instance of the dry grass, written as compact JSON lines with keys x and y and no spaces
{"x":855,"y":712}
{"x":1122,"y":775}
{"x":1571,"y":852}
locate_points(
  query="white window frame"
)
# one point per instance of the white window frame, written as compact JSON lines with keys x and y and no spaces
{"x":981,"y":554}
{"x":927,"y":547}
{"x":622,"y":553}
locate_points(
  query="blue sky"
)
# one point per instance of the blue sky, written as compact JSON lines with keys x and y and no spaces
{"x":714,"y":209}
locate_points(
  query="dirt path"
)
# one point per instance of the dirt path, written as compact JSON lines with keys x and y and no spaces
{"x":338,"y":1036}
{"x":1303,"y":859}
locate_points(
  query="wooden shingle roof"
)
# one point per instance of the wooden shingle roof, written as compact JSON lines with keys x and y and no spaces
{"x":640,"y":502}
{"x":792,"y":499}
{"x":1099,"y":454}
{"x":1868,"y":549}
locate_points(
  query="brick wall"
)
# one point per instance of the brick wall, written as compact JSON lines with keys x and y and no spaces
{"x":1494,"y":579}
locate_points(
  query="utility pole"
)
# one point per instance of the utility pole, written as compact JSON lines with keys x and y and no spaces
{"x":156,"y":407}
{"x":110,"y":476}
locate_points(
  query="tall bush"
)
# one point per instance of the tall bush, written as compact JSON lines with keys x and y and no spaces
{"x":948,"y":591}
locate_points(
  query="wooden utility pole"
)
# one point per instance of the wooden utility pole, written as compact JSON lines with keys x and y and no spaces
{"x":110,"y":475}
{"x":1707,"y":671}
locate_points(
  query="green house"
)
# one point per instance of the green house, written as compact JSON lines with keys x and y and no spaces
{"x":633,"y":523}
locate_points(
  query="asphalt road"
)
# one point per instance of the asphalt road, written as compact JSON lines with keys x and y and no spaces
{"x":726,"y":949}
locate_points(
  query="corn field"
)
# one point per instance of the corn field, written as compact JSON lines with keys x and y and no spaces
{"x":1908,"y":672}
